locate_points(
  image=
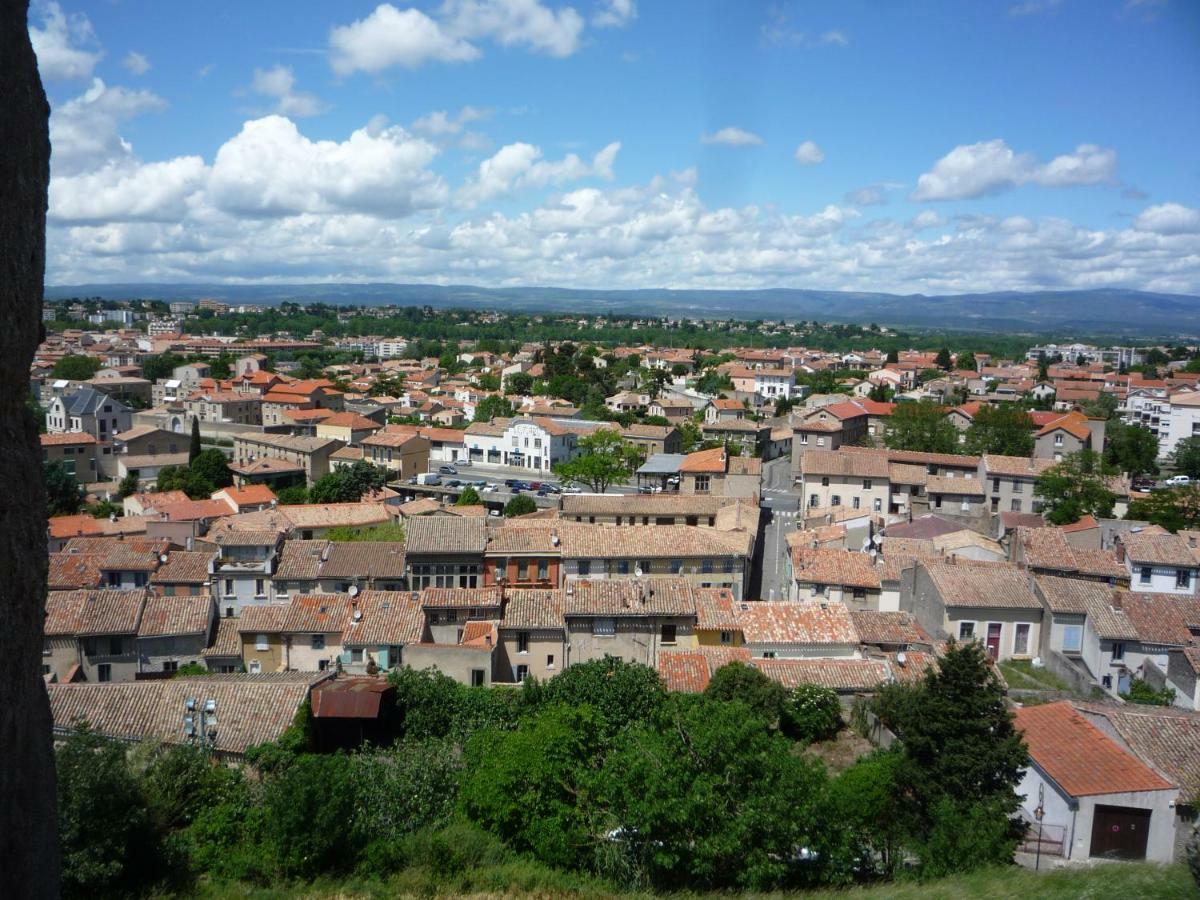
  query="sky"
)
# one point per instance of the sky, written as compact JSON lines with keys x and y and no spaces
{"x":860,"y":145}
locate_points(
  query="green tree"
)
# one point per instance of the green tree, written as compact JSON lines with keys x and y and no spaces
{"x":161,"y":366}
{"x":75,"y":367}
{"x":347,"y":484}
{"x":605,"y":458}
{"x":128,"y":486}
{"x":308,"y":813}
{"x":1186,"y":457}
{"x":64,"y":497}
{"x":943,"y":358}
{"x":892,"y":358}
{"x":709,"y":799}
{"x":746,"y":684}
{"x":213,"y":466}
{"x":1131,"y":448}
{"x":622,"y":693}
{"x":468,"y":497}
{"x":493,"y":407}
{"x":292,"y":495}
{"x":921,"y":426}
{"x":812,"y":713}
{"x":872,"y":816}
{"x":1006,"y":430}
{"x":520,"y":383}
{"x":194,"y":447}
{"x":960,"y":746}
{"x":1173,"y":508}
{"x":967,"y":361}
{"x":520,"y":505}
{"x":1076,"y":487}
{"x":108,"y":844}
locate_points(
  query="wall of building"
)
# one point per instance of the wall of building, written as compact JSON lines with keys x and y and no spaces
{"x":542,"y":646}
{"x":635,"y":638}
{"x":457,"y":662}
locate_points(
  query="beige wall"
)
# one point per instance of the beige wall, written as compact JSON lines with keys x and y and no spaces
{"x":635,"y":639}
{"x":542,"y":644}
{"x":846,"y":489}
{"x":457,"y":662}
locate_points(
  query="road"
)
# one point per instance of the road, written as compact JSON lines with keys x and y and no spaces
{"x":780,"y":506}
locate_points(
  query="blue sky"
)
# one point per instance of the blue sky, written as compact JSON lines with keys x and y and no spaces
{"x":890,"y":146}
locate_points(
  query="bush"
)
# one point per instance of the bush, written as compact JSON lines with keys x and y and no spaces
{"x":1140,"y":691}
{"x":747,"y":685}
{"x":623,"y":693}
{"x":812,"y":713}
{"x":520,"y":505}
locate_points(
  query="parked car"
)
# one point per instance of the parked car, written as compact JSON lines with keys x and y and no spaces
{"x":489,"y":489}
{"x":511,"y":483}
{"x":645,"y":489}
{"x":454,"y":482}
{"x":535,"y":485}
{"x":1178,"y":481}
{"x":429,"y":478}
{"x":551,"y":488}
{"x":447,"y":470}
{"x":465,"y":461}
{"x":521,"y":486}
{"x":572,"y":489}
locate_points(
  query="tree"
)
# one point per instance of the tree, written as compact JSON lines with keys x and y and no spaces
{"x":520,"y":505}
{"x":812,"y":713}
{"x":1186,"y":458}
{"x":520,"y":383}
{"x":1174,"y":508}
{"x":74,"y":367}
{"x":921,"y":426}
{"x":292,"y":495}
{"x":1131,"y":448}
{"x":893,"y":357}
{"x":622,"y":693}
{"x":129,"y":485}
{"x":161,"y":366}
{"x":1076,"y":487}
{"x":745,"y":684}
{"x":213,"y":466}
{"x":194,"y":448}
{"x":493,"y":407}
{"x":871,"y":810}
{"x":958,"y":743}
{"x":967,"y":361}
{"x":468,"y":497}
{"x":1005,"y":430}
{"x":347,"y":484}
{"x":943,"y":358}
{"x":605,"y":458}
{"x":64,"y":497}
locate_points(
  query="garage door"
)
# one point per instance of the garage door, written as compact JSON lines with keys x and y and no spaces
{"x":1119,"y":832}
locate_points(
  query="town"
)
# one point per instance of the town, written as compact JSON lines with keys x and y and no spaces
{"x":250,"y":525}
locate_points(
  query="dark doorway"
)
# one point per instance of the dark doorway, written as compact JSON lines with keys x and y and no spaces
{"x":993,"y":639}
{"x":1119,"y":832}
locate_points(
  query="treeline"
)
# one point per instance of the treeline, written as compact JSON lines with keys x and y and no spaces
{"x":599,"y":776}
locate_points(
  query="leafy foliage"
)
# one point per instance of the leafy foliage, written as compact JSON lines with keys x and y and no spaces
{"x":64,"y":497}
{"x":921,"y":426}
{"x":468,"y":497}
{"x":1186,"y":457}
{"x":745,"y":684}
{"x":812,"y":713}
{"x":1131,"y":448}
{"x":392,"y":531}
{"x":1173,"y":508}
{"x":1140,"y":691}
{"x":605,"y":459}
{"x":207,"y":473}
{"x":1076,"y":487}
{"x":494,"y":407}
{"x":1005,"y":430}
{"x":347,"y":484}
{"x":74,"y":367}
{"x":520,"y":505}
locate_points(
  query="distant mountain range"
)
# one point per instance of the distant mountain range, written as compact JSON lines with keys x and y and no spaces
{"x":1098,"y":312}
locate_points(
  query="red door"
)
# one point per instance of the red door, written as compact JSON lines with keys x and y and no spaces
{"x":993,"y":639}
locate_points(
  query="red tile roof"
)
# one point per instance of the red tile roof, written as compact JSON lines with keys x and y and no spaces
{"x":1079,"y":757}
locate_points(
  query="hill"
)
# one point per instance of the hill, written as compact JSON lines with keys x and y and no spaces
{"x":1109,"y":312}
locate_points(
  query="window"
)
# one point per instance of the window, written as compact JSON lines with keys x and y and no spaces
{"x":261,"y":642}
{"x":523,"y":570}
{"x":356,"y":655}
{"x":966,"y":631}
{"x":477,"y":677}
{"x":877,"y":504}
{"x":1145,"y":574}
{"x":260,"y":588}
{"x":835,"y":500}
{"x":585,"y":567}
{"x":702,"y":484}
{"x":116,"y":646}
{"x":676,"y":566}
{"x":228,"y":587}
{"x":170,"y":666}
{"x":995,"y":485}
{"x":522,"y":673}
{"x":726,"y":637}
{"x":813,"y":501}
{"x":706,"y":566}
{"x":1118,"y":652}
{"x":824,"y":481}
{"x":1058,"y":440}
{"x":604,"y":627}
{"x":804,"y":438}
{"x":1183,"y":578}
{"x":727,"y":565}
{"x":622,"y":567}
{"x":668,"y":633}
{"x":1021,"y":639}
{"x":860,"y":593}
{"x":104,"y":672}
{"x":229,"y":612}
{"x":543,"y":570}
{"x":820,"y":442}
{"x":523,"y":642}
{"x":1072,"y":638}
{"x":856,"y":502}
{"x":318,"y":642}
{"x":1018,"y":487}
{"x":644,"y":565}
{"x":866,"y":484}
{"x":768,"y":654}
{"x":46,"y":651}
{"x":550,"y":661}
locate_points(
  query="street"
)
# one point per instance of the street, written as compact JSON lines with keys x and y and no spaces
{"x":780,"y":504}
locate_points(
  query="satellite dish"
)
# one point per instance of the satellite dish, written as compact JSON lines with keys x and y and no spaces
{"x":866,"y":545}
{"x":877,"y":540}
{"x":901,"y":658}
{"x":637,"y":572}
{"x":358,"y":615}
{"x":353,"y":592}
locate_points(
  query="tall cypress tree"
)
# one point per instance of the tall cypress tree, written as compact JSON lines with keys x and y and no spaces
{"x":194,"y":449}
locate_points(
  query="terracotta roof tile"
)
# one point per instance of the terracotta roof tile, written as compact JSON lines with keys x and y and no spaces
{"x":982,"y":585}
{"x":388,"y":618}
{"x":834,"y":566}
{"x":844,"y":675}
{"x":807,"y":622}
{"x":111,"y":612}
{"x":181,"y":615}
{"x":888,"y":628}
{"x":183,"y":567}
{"x":526,"y":608}
{"x":1168,"y":739}
{"x":627,"y":597}
{"x":446,"y":535}
{"x":461,"y":598}
{"x":72,"y":571}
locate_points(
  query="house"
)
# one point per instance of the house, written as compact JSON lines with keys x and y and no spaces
{"x":382,"y":624}
{"x":92,"y":412}
{"x":249,"y":498}
{"x":649,"y":440}
{"x":1068,"y":434}
{"x":1011,"y":481}
{"x":1099,"y":801}
{"x":303,"y":635}
{"x":832,"y":479}
{"x":845,"y":576}
{"x":76,"y":450}
{"x":643,"y":509}
{"x":536,"y":443}
{"x":717,"y":472}
{"x":446,"y":445}
{"x":445,"y":551}
{"x":1159,"y":562}
{"x":523,"y":556}
{"x":347,"y":427}
{"x":1048,"y":551}
{"x":769,"y":383}
{"x":724,"y":409}
{"x":749,"y":436}
{"x":224,"y":407}
{"x":629,"y":619}
{"x":402,"y":454}
{"x":992,"y":603}
{"x":107,"y":633}
{"x":174,"y":632}
{"x":717,"y":622}
{"x":329,"y":567}
{"x":241,"y":570}
{"x":145,"y":450}
{"x":184,"y":574}
{"x":287,"y":457}
{"x":799,"y":629}
{"x":533,"y":634}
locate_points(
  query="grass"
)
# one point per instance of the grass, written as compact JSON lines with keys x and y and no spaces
{"x":1118,"y":881}
{"x":1022,"y":675}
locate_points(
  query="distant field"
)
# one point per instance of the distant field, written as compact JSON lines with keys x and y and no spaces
{"x":1118,"y":881}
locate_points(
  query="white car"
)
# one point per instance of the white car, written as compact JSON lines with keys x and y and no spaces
{"x":489,"y":488}
{"x":572,"y":489}
{"x":1178,"y":481}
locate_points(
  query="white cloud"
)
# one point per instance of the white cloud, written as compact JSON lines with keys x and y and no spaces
{"x":440,"y":123}
{"x":84,"y":131}
{"x":1033,"y":7}
{"x":988,"y":167}
{"x":517,"y":166}
{"x":156,"y":192}
{"x":732,"y":136}
{"x":136,"y":63}
{"x":927,"y":218}
{"x":1169,"y":218}
{"x":614,"y":13}
{"x":279,"y":83}
{"x":516,"y":23}
{"x":836,"y":38}
{"x":270,"y":169}
{"x":391,"y":37}
{"x":60,"y":43}
{"x":809,"y":154}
